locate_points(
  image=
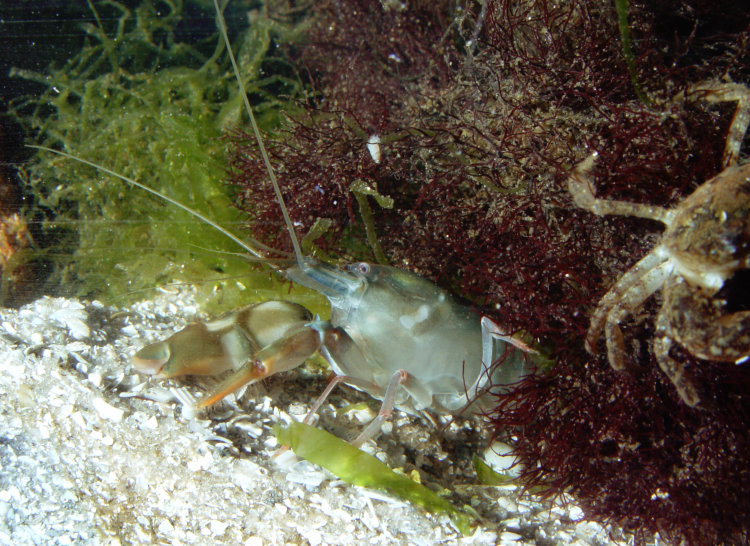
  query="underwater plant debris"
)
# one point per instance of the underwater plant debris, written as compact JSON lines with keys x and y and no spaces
{"x":352,"y":465}
{"x":480,"y":116}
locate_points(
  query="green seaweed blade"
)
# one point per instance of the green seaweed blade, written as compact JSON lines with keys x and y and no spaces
{"x":358,"y":468}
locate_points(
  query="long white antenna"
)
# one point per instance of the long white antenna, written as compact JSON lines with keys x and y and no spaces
{"x":223,"y":28}
{"x":252,"y":250}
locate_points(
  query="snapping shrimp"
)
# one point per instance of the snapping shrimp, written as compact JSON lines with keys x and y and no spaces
{"x":392,"y":333}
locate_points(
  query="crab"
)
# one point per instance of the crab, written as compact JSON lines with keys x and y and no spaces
{"x":706,"y":242}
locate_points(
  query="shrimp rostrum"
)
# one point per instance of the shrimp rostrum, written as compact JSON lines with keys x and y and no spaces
{"x":392,"y":334}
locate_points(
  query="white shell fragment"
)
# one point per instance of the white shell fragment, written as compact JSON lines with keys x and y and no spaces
{"x":106,"y":411}
{"x":74,"y":318}
{"x":373,"y":146}
{"x":500,"y":458}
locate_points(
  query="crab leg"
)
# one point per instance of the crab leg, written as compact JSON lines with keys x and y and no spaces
{"x":728,"y":92}
{"x":584,"y":195}
{"x":635,"y":287}
{"x":675,"y":371}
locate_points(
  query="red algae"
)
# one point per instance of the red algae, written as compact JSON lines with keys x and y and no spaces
{"x":481,"y":115}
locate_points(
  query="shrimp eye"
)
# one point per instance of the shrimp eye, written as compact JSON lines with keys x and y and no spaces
{"x":362,"y":268}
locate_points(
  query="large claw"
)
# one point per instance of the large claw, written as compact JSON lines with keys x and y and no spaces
{"x":284,"y":354}
{"x":255,"y":341}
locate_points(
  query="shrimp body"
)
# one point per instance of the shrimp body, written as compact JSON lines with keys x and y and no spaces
{"x":399,"y":321}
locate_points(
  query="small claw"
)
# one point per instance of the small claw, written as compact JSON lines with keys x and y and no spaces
{"x":283,"y":354}
{"x":249,"y":373}
{"x":593,"y":335}
{"x":518,"y":344}
{"x":615,"y":347}
{"x":679,"y":378}
{"x":579,"y":184}
{"x":494,"y":330}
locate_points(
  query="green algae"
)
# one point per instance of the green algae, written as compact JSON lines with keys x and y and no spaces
{"x":354,"y":466}
{"x":142,"y":101}
{"x":627,"y":51}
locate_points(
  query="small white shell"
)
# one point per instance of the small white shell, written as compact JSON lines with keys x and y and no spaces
{"x":373,"y":146}
{"x":107,"y":411}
